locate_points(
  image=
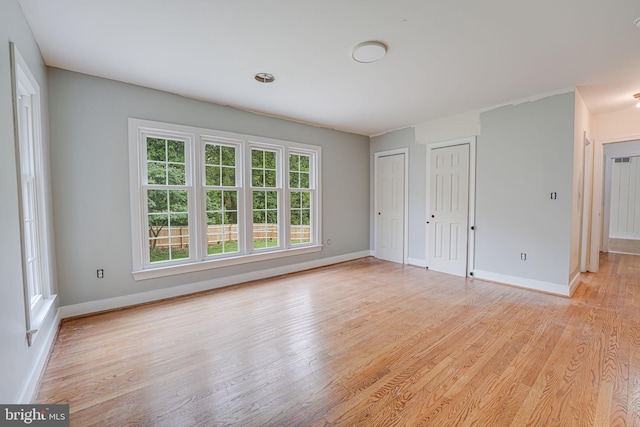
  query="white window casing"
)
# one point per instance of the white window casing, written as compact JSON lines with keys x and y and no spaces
{"x":34,"y":233}
{"x":220,"y":210}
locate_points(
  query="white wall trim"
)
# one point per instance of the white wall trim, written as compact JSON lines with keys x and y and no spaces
{"x":573,"y":285}
{"x":521,"y":282}
{"x":175,"y":291}
{"x":417,"y":262}
{"x":627,"y":138}
{"x":222,"y":262}
{"x":48,"y":335}
{"x":626,"y":236}
{"x":597,"y":195}
{"x":587,"y":196}
{"x":405,"y":237}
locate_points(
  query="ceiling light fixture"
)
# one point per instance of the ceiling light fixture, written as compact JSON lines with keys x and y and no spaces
{"x":636,"y":22}
{"x":264,"y":77}
{"x":370,"y":51}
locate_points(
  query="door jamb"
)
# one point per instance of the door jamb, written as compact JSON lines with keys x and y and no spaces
{"x":587,"y":199}
{"x":597,"y":207}
{"x":405,"y":219}
{"x":471,"y":218}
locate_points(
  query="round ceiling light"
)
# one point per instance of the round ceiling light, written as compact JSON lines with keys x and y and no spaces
{"x":264,"y":77}
{"x":370,"y":51}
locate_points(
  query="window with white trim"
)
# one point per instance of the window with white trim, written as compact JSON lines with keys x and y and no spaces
{"x":202,"y":198}
{"x":33,"y":213}
{"x":167,"y":192}
{"x":301,"y":196}
{"x":223,"y":194}
{"x":266,"y":193}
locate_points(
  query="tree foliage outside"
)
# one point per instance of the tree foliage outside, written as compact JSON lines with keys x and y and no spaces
{"x":222,"y":218}
{"x":299,"y":173}
{"x":220,"y":165}
{"x":222,"y":203}
{"x":167,"y":209}
{"x":265,"y":202}
{"x":300,"y":209}
{"x":168,"y":205}
{"x":263,"y":169}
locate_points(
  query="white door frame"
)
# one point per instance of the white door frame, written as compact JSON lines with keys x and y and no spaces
{"x":471,"y":242}
{"x":405,"y":219}
{"x":587,"y":194}
{"x":598,"y":211}
{"x":608,"y":181}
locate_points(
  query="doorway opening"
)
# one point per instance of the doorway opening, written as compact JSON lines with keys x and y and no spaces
{"x":622,"y":199}
{"x":605,"y":153}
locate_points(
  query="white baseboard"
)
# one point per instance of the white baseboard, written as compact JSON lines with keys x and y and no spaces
{"x":625,"y":236}
{"x":417,"y":262}
{"x":175,"y":291}
{"x":43,"y":346}
{"x":573,"y":285}
{"x":521,"y":282}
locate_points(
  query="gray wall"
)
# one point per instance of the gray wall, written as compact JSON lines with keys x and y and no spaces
{"x":404,"y":138}
{"x":91,"y":183}
{"x":524,"y":153}
{"x":17,"y":360}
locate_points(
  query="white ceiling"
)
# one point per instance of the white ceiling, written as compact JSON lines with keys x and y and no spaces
{"x":445,"y":56}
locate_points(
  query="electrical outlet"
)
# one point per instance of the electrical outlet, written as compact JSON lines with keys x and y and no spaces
{"x":523,"y":256}
{"x":100,"y":273}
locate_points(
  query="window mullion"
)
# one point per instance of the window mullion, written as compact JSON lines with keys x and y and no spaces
{"x":281,"y":183}
{"x":285,"y":208}
{"x":194,"y":180}
{"x":248,"y":202}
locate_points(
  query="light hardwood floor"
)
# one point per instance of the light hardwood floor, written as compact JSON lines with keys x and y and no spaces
{"x":362,"y":343}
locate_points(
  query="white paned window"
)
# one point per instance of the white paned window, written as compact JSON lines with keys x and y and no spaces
{"x":202,"y":198}
{"x":33,"y":214}
{"x":302,"y":197}
{"x":266,"y":191}
{"x":167,"y":193}
{"x":223,"y":197}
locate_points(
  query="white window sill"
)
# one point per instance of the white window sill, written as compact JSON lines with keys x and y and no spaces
{"x":223,"y":262}
{"x":40,"y":314}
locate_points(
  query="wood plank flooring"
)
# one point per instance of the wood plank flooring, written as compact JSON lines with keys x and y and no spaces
{"x":366,"y":343}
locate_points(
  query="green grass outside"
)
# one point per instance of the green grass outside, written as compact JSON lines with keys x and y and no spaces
{"x":162,"y":254}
